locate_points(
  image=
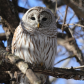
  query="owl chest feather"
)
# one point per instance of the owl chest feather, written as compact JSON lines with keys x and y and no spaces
{"x":36,"y":49}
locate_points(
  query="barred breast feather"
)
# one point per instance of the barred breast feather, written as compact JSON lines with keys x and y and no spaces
{"x":37,"y":48}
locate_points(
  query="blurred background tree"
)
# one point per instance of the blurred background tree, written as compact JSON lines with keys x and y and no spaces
{"x":69,"y":16}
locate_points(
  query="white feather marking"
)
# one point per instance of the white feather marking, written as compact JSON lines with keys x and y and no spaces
{"x":37,"y":49}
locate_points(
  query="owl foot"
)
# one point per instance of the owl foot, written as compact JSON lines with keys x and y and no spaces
{"x":41,"y":64}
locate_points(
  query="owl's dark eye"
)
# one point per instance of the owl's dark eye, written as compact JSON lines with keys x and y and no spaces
{"x":33,"y":18}
{"x":44,"y":19}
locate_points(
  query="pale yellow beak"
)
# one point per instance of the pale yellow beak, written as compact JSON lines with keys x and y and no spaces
{"x":38,"y":25}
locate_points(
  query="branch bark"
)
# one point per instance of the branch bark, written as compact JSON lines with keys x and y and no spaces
{"x":28,"y":69}
{"x":8,"y":15}
{"x":4,"y":77}
{"x":20,"y":63}
{"x":2,"y":36}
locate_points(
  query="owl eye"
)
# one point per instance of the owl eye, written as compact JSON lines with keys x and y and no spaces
{"x":33,"y":18}
{"x":44,"y":19}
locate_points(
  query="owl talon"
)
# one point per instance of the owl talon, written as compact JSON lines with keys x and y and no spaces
{"x":36,"y":64}
{"x":41,"y":64}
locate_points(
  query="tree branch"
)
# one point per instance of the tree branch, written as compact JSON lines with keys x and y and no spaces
{"x":79,"y":11}
{"x":20,"y":9}
{"x":8,"y":15}
{"x":70,"y":45}
{"x":2,"y":36}
{"x":28,"y":69}
{"x":20,"y":63}
{"x":51,"y":4}
{"x":4,"y":77}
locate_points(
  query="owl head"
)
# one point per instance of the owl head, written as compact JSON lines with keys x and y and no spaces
{"x":38,"y":19}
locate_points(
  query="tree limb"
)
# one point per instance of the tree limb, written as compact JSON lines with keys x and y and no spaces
{"x":8,"y":15}
{"x":28,"y":69}
{"x":20,"y":63}
{"x":70,"y":45}
{"x":2,"y":36}
{"x":4,"y":77}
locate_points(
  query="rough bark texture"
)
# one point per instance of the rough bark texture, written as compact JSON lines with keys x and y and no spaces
{"x":11,"y":61}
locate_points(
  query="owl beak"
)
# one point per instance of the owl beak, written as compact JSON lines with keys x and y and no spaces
{"x":38,"y":25}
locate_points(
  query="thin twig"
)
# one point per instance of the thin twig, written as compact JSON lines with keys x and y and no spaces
{"x":71,"y":18}
{"x":74,"y":24}
{"x":78,"y":67}
{"x":55,"y":8}
{"x":64,"y":21}
{"x":65,"y":59}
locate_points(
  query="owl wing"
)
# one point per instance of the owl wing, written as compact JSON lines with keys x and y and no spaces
{"x":15,"y":37}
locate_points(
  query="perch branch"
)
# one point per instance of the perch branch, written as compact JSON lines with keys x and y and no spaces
{"x":21,"y":65}
{"x":56,"y":72}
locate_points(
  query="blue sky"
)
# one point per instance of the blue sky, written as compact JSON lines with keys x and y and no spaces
{"x":2,"y":31}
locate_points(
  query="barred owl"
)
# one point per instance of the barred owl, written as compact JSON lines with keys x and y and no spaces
{"x":34,"y":39}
